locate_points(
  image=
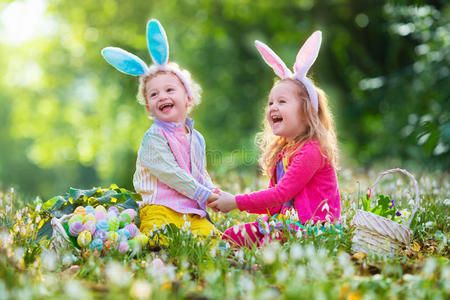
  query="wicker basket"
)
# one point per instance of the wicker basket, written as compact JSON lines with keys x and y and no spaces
{"x":378,"y":235}
{"x":60,"y":239}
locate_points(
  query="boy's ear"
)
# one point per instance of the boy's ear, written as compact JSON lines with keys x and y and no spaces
{"x":190,"y":101}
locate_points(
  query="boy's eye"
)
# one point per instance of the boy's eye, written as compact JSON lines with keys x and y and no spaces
{"x":153,"y":94}
{"x":282,"y":101}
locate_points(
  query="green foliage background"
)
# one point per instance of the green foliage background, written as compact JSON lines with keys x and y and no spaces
{"x":67,"y":118}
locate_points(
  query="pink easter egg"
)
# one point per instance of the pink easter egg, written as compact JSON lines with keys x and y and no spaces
{"x":75,"y":228}
{"x":124,"y":247}
{"x":89,"y":226}
{"x":100,"y":215}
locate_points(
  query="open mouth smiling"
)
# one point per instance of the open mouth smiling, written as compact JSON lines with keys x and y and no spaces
{"x":276,"y":119}
{"x":165,"y":107}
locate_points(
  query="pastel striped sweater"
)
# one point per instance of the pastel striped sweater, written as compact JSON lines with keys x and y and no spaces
{"x":171,"y":168}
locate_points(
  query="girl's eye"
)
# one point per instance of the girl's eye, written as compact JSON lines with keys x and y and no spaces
{"x":170,"y":89}
{"x":270,"y":103}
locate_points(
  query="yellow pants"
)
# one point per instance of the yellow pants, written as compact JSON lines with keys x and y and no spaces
{"x":155,"y":216}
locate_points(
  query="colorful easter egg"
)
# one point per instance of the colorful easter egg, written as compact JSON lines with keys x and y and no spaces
{"x":113,"y":236}
{"x":75,"y":218}
{"x":90,"y":226}
{"x":89,"y":217}
{"x":102,"y":225}
{"x":125,"y":218}
{"x":84,"y":238}
{"x":141,"y":239}
{"x":100,"y":234}
{"x":96,"y":244}
{"x":100,"y":215}
{"x":107,"y":244}
{"x":75,"y":228}
{"x":131,"y":212}
{"x":113,"y":209}
{"x":124,"y":233}
{"x":132,"y":229}
{"x":100,"y":208}
{"x":80,"y":210}
{"x":114,"y":224}
{"x":89,"y":210}
{"x":123,"y":247}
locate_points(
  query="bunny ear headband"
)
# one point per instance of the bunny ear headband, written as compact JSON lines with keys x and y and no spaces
{"x":159,"y":51}
{"x":303,"y":62}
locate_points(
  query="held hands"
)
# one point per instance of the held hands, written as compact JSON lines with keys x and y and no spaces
{"x":225,"y":202}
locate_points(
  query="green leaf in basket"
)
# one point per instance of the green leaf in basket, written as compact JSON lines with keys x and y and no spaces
{"x":76,"y":193}
{"x":46,"y":231}
{"x":54,"y":203}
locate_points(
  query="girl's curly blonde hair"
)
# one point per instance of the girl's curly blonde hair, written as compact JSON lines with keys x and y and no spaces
{"x":175,"y":69}
{"x":320,"y":126}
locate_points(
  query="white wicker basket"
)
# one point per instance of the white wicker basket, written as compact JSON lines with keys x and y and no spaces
{"x":60,"y":239}
{"x":378,"y":235}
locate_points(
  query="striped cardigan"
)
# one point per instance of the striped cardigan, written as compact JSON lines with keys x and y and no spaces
{"x":171,"y":168}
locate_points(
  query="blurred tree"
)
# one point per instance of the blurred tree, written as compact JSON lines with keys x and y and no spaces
{"x":69,"y":118}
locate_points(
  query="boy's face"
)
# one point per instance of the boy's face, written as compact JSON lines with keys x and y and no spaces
{"x":166,"y":98}
{"x":284,"y":112}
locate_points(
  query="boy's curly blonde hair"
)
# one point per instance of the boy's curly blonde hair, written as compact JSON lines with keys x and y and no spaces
{"x":173,"y":68}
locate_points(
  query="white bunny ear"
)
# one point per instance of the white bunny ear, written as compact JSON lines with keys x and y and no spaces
{"x":307,"y":54}
{"x":273,"y":60}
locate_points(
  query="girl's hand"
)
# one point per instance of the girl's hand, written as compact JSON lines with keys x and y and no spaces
{"x":225,"y":203}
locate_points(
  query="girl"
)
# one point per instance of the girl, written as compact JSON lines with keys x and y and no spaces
{"x":171,"y":171}
{"x":299,"y":155}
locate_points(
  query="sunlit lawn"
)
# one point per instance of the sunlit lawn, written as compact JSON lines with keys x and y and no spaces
{"x":313,"y":267}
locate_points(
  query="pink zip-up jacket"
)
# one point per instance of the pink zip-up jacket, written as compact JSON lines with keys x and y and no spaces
{"x":310,"y":181}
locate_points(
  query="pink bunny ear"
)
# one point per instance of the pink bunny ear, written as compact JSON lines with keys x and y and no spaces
{"x":273,"y":60}
{"x":307,"y":54}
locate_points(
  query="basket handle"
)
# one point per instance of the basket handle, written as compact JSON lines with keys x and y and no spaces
{"x":416,"y":188}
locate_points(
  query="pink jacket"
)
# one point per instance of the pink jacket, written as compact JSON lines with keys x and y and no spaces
{"x":309,"y":180}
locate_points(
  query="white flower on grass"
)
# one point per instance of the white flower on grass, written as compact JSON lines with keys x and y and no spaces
{"x":326,"y":207}
{"x":282,"y":275}
{"x":428,"y":224}
{"x":246,"y":284}
{"x":430,"y":266}
{"x":296,"y":252}
{"x":117,"y":274}
{"x":49,"y":259}
{"x":141,"y":290}
{"x":75,"y":290}
{"x":269,"y":255}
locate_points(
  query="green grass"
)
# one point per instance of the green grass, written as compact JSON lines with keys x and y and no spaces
{"x":312,"y":267}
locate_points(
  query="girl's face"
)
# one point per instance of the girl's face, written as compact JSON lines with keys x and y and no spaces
{"x":167,"y":99}
{"x":284,"y":112}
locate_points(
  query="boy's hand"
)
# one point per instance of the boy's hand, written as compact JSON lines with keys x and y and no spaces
{"x":225,"y":203}
{"x":212,"y":197}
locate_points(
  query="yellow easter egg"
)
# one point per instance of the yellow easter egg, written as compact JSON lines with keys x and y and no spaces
{"x":142,"y":239}
{"x":84,"y":239}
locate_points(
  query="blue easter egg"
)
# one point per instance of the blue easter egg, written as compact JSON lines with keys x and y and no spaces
{"x":102,"y":225}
